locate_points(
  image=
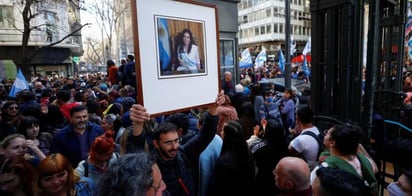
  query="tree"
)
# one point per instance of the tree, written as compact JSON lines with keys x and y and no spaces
{"x":93,"y":51}
{"x":108,"y":14}
{"x":32,"y":9}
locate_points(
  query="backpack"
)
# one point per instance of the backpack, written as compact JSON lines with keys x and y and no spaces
{"x":273,"y":115}
{"x":319,"y":139}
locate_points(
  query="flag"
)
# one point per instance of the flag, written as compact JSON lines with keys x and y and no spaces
{"x":164,"y":43}
{"x":246,"y":60}
{"x":305,"y":67}
{"x":408,"y":30}
{"x":260,"y":59}
{"x":19,"y":84}
{"x":307,"y":48}
{"x":281,"y":61}
{"x":292,"y":46}
{"x":410,"y":48}
{"x":408,"y":25}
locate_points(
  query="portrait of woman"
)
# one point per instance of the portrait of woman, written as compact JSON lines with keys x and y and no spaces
{"x":187,"y":52}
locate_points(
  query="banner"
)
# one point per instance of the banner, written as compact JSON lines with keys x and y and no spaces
{"x":246,"y":60}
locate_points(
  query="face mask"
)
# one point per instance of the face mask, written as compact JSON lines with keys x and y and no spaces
{"x":395,"y":190}
{"x":269,"y":99}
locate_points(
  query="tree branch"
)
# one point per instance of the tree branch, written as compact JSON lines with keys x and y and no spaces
{"x":58,"y":42}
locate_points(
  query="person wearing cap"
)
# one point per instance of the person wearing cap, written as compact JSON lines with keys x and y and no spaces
{"x":179,"y":164}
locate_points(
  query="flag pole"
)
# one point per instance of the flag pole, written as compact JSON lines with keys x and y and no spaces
{"x":288,"y":77}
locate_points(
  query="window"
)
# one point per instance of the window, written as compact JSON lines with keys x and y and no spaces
{"x":262,"y":30}
{"x":275,"y":28}
{"x":268,"y":12}
{"x":281,"y":28}
{"x":227,"y":58}
{"x":51,"y":33}
{"x":269,"y":28}
{"x":256,"y":31}
{"x":245,"y":19}
{"x":226,"y":52}
{"x":6,"y":16}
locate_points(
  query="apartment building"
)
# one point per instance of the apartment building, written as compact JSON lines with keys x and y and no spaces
{"x":55,"y":20}
{"x":262,"y":23}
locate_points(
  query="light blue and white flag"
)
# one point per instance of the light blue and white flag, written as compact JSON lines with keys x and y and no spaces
{"x":281,"y":61}
{"x":307,"y":48}
{"x":261,"y":58}
{"x":246,"y":60}
{"x":292,"y":46}
{"x":19,"y":84}
{"x":305,"y":67}
{"x":164,"y":43}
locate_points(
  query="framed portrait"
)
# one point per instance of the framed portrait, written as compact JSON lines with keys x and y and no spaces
{"x":177,"y":54}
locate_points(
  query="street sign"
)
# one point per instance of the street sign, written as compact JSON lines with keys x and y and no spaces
{"x":76,"y":59}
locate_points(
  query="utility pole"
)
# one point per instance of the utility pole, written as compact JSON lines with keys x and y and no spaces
{"x":288,"y":68}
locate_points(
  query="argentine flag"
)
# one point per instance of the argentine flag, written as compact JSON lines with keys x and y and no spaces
{"x":260,"y":59}
{"x":307,"y":48}
{"x":164,"y":43}
{"x":281,"y":61}
{"x":305,"y":67}
{"x":246,"y":60}
{"x":19,"y":84}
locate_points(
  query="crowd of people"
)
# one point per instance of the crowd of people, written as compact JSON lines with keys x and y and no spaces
{"x":86,"y":135}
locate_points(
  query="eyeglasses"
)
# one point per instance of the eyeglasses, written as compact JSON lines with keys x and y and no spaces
{"x":171,"y":142}
{"x":13,"y":108}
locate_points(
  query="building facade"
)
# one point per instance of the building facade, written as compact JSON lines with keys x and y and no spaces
{"x":262,"y":23}
{"x":57,"y":23}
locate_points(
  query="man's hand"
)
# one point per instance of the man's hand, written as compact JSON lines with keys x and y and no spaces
{"x":219,"y":101}
{"x":138,"y":114}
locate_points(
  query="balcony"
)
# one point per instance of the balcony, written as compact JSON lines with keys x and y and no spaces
{"x":12,"y":37}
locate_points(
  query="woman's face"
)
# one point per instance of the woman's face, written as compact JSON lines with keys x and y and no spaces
{"x":12,"y":110}
{"x":32,"y":131}
{"x":9,"y":182}
{"x":15,"y":148}
{"x":327,"y":139}
{"x":55,"y":183}
{"x":186,"y":38}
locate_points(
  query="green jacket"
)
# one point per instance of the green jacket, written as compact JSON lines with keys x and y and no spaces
{"x":366,"y":167}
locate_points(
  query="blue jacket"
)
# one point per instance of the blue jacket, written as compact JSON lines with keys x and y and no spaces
{"x":67,"y":143}
{"x":85,"y":187}
{"x":130,"y":73}
{"x":182,"y":171}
